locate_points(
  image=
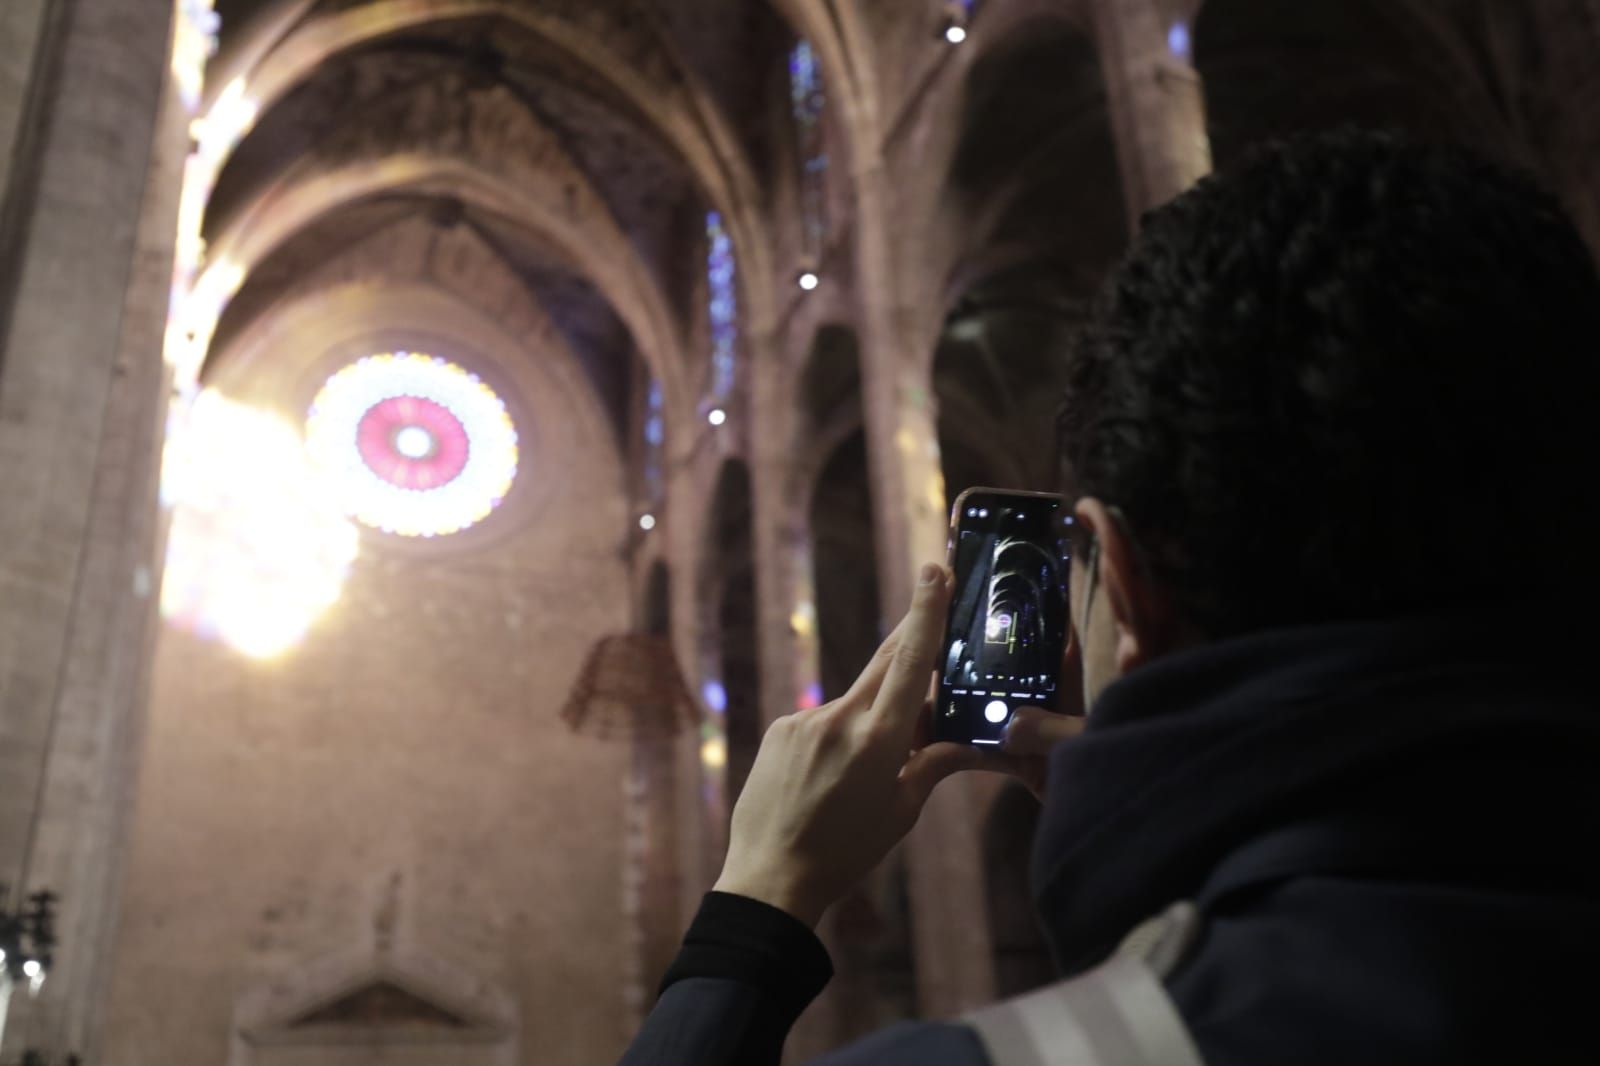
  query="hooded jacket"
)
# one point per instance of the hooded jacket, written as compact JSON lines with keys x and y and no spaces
{"x":1387,"y":829}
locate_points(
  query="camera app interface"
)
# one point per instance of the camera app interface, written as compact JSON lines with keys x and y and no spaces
{"x":1008,"y":617}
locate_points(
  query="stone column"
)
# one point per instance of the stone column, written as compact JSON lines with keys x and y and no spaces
{"x":700,"y":840}
{"x":770,"y":417}
{"x":651,"y":878}
{"x":1158,"y":112}
{"x":82,"y":389}
{"x":29,"y":66}
{"x":785,"y":594}
{"x":950,"y":934}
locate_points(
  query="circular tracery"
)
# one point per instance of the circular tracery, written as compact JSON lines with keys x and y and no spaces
{"x":413,"y":444}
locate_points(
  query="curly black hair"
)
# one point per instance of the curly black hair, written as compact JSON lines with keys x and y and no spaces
{"x":1354,"y":378}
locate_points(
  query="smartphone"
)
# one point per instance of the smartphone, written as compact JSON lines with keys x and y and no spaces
{"x":1007,"y":628}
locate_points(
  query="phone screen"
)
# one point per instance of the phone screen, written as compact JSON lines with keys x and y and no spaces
{"x":1008,"y":613}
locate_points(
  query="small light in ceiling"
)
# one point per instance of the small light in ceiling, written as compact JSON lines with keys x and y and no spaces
{"x":955,"y":33}
{"x":808,"y":280}
{"x":32,"y":968}
{"x":716,"y":416}
{"x":647,"y":522}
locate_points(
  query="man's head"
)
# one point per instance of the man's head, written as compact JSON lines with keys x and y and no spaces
{"x":1355,"y":378}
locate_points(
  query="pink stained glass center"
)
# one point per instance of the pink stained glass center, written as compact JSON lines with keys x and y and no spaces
{"x":391,"y":425}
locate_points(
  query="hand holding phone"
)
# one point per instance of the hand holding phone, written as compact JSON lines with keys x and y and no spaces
{"x":1007,"y":627}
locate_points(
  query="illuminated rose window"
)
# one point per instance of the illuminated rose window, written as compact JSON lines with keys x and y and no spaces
{"x":413,"y":444}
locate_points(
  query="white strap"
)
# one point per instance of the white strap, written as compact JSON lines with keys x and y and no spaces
{"x":1115,"y":1015}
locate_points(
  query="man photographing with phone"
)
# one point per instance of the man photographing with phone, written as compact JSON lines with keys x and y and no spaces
{"x":1328,"y":448}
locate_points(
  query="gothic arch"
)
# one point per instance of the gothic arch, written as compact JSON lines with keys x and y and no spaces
{"x":656,"y":608}
{"x":827,"y":393}
{"x":1030,"y":170}
{"x":1393,"y":64}
{"x":849,"y":616}
{"x":728,"y":605}
{"x":998,"y":373}
{"x":1043,"y":75}
{"x":684,"y":113}
{"x":288,"y":350}
{"x":616,"y":270}
{"x":844,"y":49}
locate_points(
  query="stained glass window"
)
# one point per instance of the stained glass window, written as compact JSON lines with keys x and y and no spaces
{"x":413,"y":444}
{"x":654,"y":437}
{"x":1179,"y":41}
{"x":806,"y":96}
{"x":722,"y":274}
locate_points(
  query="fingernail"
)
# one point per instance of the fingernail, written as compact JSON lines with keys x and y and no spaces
{"x":931,"y":573}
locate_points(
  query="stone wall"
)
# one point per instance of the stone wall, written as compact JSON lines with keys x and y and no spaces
{"x":397,"y":796}
{"x":402,"y":776}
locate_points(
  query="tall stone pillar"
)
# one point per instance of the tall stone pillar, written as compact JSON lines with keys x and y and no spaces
{"x":771,"y":416}
{"x":1157,"y":103}
{"x":30,"y":31}
{"x":82,"y":389}
{"x":944,"y":859}
{"x":771,"y":420}
{"x":701,"y":834}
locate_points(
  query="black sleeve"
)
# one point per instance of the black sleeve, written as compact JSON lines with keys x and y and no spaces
{"x":745,"y":972}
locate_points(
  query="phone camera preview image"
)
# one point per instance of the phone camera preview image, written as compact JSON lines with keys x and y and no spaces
{"x":1008,"y":614}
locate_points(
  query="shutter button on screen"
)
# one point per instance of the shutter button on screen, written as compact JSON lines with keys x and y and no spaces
{"x":996,"y":711}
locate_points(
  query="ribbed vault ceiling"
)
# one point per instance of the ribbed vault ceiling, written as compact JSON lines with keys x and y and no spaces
{"x":716,"y":58}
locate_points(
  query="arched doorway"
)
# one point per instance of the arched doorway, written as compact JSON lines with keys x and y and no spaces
{"x":733,"y":687}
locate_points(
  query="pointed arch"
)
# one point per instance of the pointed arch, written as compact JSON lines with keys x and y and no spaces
{"x":685,"y":114}
{"x":614,"y":266}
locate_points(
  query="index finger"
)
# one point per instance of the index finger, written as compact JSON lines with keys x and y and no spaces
{"x":866,"y":685}
{"x":905,"y":686}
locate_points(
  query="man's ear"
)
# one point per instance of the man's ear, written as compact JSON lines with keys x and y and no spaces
{"x":1146,"y":621}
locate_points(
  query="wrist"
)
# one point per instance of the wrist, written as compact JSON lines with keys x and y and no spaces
{"x":778,"y":892}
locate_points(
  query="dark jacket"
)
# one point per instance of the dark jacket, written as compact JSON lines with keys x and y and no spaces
{"x":1390,"y":830}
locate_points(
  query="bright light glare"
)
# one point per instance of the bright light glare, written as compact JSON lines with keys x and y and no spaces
{"x":714,"y":752}
{"x":647,"y":522}
{"x":809,"y":280}
{"x":955,"y":34}
{"x":31,"y":968}
{"x":193,"y":42}
{"x":258,"y":549}
{"x":717,"y":416}
{"x":413,"y":442}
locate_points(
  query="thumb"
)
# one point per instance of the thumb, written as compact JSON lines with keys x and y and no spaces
{"x":927,"y":767}
{"x":1036,"y":731}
